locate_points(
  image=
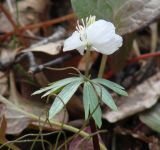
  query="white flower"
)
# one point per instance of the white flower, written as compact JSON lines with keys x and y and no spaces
{"x":94,"y":35}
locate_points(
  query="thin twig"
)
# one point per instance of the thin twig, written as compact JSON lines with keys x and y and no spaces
{"x":7,"y":14}
{"x":39,"y":25}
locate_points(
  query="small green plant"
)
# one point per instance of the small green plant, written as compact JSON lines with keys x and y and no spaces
{"x":90,"y":36}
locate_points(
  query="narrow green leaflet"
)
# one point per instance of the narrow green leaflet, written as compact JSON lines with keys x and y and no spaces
{"x":86,"y":98}
{"x":115,"y":87}
{"x":56,"y":85}
{"x":108,"y":83}
{"x":94,"y":107}
{"x":105,"y":96}
{"x":63,"y":97}
{"x":151,"y":118}
{"x":52,"y":91}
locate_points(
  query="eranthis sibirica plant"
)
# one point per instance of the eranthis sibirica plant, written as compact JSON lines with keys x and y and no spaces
{"x":94,"y":35}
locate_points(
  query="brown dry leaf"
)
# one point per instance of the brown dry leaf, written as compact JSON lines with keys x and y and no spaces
{"x":49,"y":48}
{"x":33,"y":107}
{"x":142,"y":97}
{"x":6,"y":56}
{"x":136,"y":14}
{"x":16,"y":121}
{"x":23,"y":110}
{"x":28,"y":11}
{"x":5,"y":24}
{"x":3,"y":128}
{"x":3,"y":84}
{"x":38,"y":5}
{"x":139,"y":135}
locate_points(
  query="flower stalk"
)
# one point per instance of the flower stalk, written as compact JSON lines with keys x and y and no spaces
{"x":87,"y":59}
{"x":102,"y":66}
{"x":92,"y":124}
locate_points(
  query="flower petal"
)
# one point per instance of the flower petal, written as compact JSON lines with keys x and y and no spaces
{"x":110,"y":46}
{"x":74,"y":42}
{"x":100,"y":31}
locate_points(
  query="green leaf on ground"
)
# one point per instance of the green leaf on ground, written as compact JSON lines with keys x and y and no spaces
{"x":152,"y":118}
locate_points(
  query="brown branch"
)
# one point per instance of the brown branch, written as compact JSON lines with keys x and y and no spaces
{"x":39,"y":25}
{"x":10,"y":19}
{"x":7,"y":14}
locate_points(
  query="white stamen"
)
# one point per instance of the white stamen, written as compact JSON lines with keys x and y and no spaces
{"x":82,"y":28}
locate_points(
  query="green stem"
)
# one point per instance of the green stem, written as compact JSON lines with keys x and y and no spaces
{"x":102,"y":66}
{"x":95,"y":140}
{"x":72,"y":129}
{"x":87,"y":57}
{"x":65,"y":126}
{"x":58,"y":124}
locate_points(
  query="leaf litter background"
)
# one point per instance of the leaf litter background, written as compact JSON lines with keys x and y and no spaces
{"x":36,"y":42}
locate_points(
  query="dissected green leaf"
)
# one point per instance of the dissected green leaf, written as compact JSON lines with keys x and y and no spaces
{"x":94,"y":106}
{"x":152,"y":118}
{"x":127,"y":15}
{"x":63,"y":97}
{"x":108,"y":83}
{"x":86,"y":101}
{"x":56,"y":85}
{"x":19,"y":111}
{"x":105,"y":96}
{"x":115,"y":87}
{"x":52,"y":91}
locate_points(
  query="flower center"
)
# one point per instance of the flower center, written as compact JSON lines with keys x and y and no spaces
{"x":82,"y":29}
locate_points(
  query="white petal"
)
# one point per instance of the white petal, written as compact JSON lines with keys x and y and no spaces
{"x":74,"y":42}
{"x":81,"y":50}
{"x":110,"y":46}
{"x":100,"y":32}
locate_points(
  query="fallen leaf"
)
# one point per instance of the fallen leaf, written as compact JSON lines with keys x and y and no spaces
{"x":13,"y":125}
{"x":16,"y":121}
{"x":3,"y":132}
{"x":23,"y":110}
{"x":38,"y":5}
{"x":140,"y":98}
{"x":3,"y":83}
{"x":49,"y":48}
{"x":138,"y":135}
{"x":151,"y":118}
